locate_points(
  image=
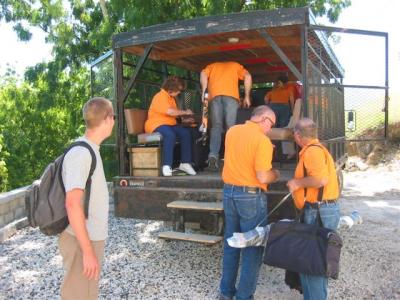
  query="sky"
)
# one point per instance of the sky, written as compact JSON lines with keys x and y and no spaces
{"x":362,"y":57}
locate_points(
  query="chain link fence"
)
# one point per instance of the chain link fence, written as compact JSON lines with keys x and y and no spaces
{"x":355,"y":72}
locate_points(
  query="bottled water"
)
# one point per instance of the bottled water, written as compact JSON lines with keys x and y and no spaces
{"x":255,"y":237}
{"x":349,"y":221}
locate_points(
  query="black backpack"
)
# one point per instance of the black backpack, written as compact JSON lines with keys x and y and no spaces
{"x":45,"y":198}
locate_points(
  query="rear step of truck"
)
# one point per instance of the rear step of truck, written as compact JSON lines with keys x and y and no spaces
{"x":191,"y":237}
{"x":178,"y":223}
{"x":195,"y":205}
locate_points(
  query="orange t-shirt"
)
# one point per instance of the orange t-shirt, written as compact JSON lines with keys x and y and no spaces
{"x":157,"y":115}
{"x":223,"y":79}
{"x":296,"y":88}
{"x":247,"y":150}
{"x":319,"y":163}
{"x":280,"y":95}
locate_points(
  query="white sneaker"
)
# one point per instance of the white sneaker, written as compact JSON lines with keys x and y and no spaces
{"x":166,"y":171}
{"x":187,"y":168}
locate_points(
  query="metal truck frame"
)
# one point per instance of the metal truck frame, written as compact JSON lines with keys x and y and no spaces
{"x":267,"y":43}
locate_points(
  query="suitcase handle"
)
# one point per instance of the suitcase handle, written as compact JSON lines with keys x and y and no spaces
{"x":275,"y":208}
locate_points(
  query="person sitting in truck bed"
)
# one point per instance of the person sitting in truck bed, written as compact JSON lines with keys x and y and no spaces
{"x":162,"y":116}
{"x":281,"y":100}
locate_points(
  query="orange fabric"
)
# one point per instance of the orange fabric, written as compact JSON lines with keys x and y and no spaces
{"x":280,"y":95}
{"x":296,"y":89}
{"x":223,"y":79}
{"x":157,"y":115}
{"x":247,"y":150}
{"x":318,"y":163}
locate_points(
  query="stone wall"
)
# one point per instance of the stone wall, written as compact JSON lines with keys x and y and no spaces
{"x":12,"y":211}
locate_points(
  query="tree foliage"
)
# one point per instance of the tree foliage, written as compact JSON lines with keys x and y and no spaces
{"x":81,"y":30}
{"x":3,"y":166}
{"x":35,"y":132}
{"x":40,"y":115}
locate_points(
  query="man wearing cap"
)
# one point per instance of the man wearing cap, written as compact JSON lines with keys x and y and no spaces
{"x":246,"y":174}
{"x":222,"y":80}
{"x":314,"y":187}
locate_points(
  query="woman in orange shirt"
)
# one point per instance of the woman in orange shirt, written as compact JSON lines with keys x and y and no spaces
{"x":162,"y":116}
{"x":281,"y":100}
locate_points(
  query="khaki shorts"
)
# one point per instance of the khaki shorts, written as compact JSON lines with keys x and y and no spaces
{"x":75,"y":285}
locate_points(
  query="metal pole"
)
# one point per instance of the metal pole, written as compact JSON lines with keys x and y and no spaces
{"x":281,"y":54}
{"x":304,"y":58}
{"x":140,"y":64}
{"x":387,"y":87}
{"x":118,"y":91}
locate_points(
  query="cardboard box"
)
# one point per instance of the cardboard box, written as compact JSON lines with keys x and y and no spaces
{"x":145,"y":161}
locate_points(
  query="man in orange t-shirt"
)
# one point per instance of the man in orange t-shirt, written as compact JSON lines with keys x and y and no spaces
{"x":247,"y":172}
{"x":162,"y":118}
{"x":296,"y":88}
{"x":222,"y":81}
{"x":281,"y":100}
{"x":314,"y":187}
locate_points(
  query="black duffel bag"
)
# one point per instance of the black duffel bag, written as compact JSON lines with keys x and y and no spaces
{"x":304,"y":248}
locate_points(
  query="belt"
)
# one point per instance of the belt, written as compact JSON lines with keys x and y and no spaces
{"x":317,"y":204}
{"x":246,"y":189}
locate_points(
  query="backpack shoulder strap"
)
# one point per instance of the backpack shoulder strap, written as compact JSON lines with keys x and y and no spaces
{"x":320,"y":190}
{"x":92,"y":168}
{"x":92,"y":154}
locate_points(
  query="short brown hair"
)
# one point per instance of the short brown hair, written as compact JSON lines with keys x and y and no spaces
{"x":96,"y":110}
{"x":174,"y":84}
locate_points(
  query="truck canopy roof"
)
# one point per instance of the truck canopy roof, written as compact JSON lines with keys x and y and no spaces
{"x":193,"y":44}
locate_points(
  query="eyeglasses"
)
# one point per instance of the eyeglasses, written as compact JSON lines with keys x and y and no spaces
{"x":270,"y":120}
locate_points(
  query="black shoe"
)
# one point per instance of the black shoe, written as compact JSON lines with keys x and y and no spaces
{"x":213,"y":164}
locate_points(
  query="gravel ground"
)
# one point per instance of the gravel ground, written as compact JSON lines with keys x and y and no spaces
{"x":140,"y":266}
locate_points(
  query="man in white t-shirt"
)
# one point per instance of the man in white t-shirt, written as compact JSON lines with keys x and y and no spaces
{"x":82,"y":242}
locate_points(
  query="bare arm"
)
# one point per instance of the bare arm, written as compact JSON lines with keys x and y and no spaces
{"x":203,"y":83}
{"x":177,"y":112}
{"x":247,"y":87}
{"x":268,"y":176}
{"x":77,"y":221}
{"x":291,"y":101}
{"x":266,"y":98}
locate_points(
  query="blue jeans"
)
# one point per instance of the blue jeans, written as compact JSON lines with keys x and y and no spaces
{"x":223,"y":108}
{"x":282,"y":114}
{"x":169,"y":134}
{"x":316,"y":287}
{"x":243,"y":211}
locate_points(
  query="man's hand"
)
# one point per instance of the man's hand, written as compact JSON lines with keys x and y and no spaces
{"x":187,"y":112}
{"x":293,"y":185}
{"x":188,"y":120}
{"x":277,"y":174}
{"x":246,"y":102}
{"x":77,"y":221}
{"x":91,"y":269}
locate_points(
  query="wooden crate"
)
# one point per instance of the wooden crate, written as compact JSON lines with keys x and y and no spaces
{"x":145,"y":161}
